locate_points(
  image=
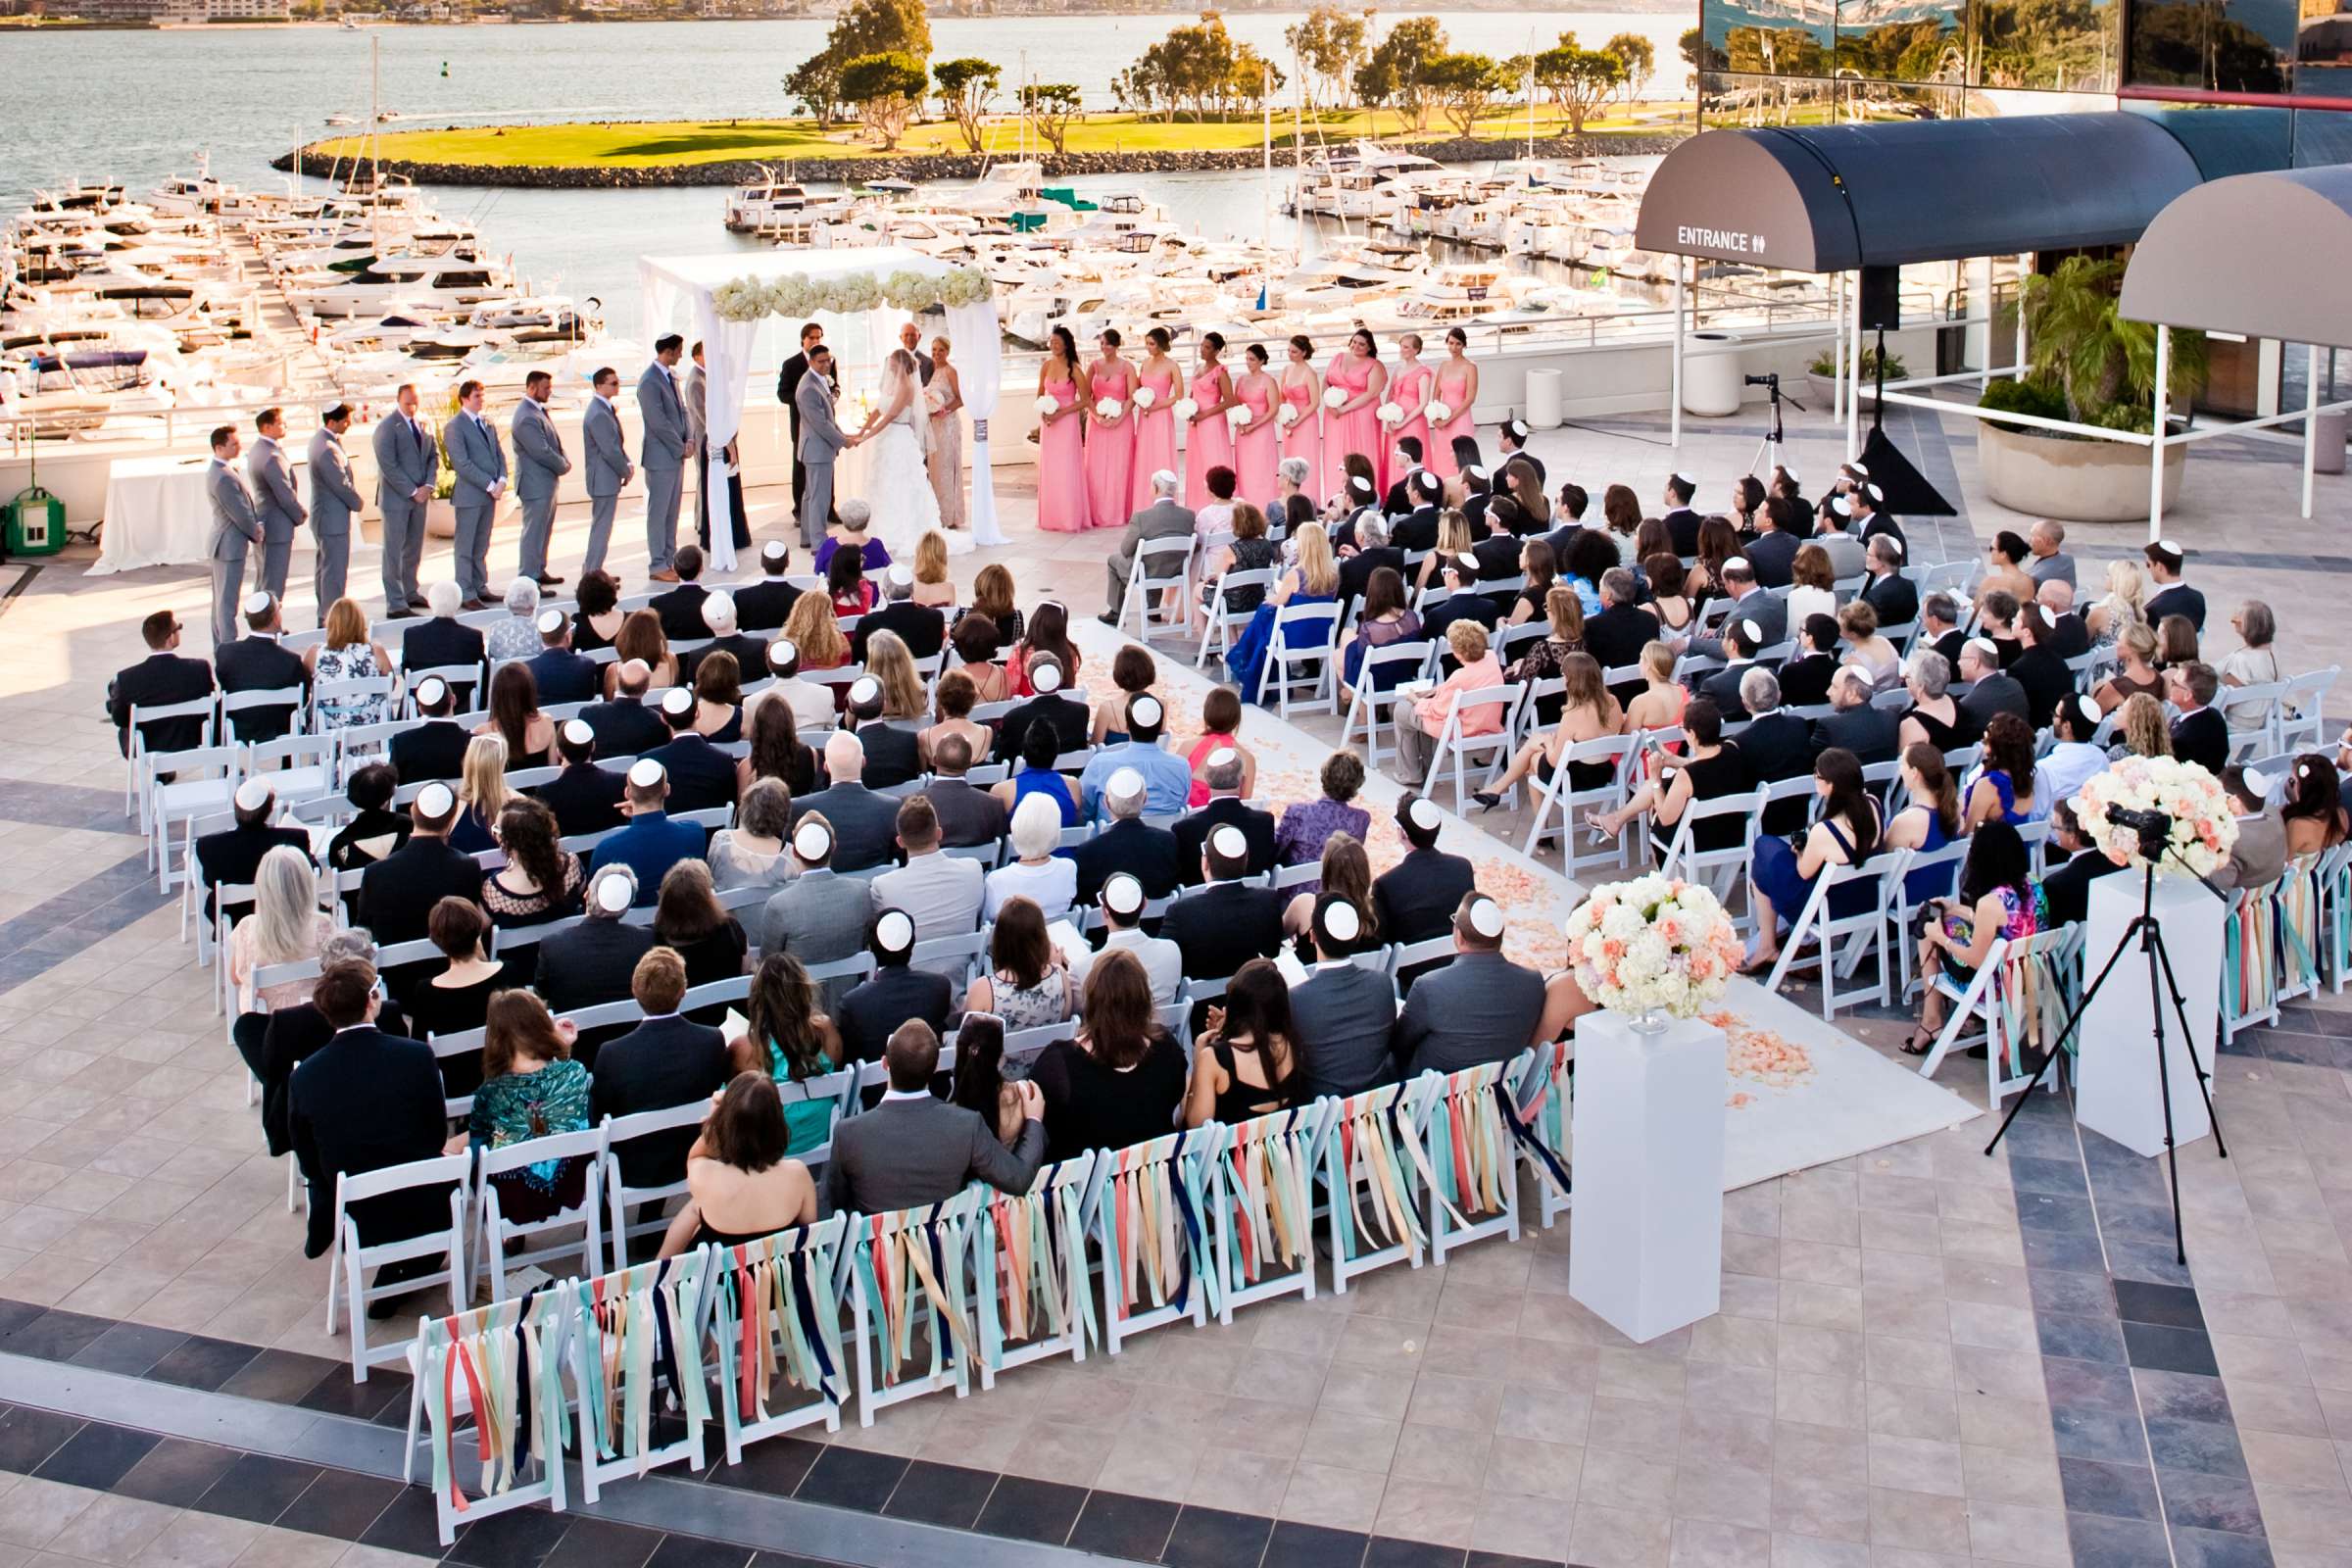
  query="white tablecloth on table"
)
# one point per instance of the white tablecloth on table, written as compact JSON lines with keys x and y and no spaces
{"x":158,"y":513}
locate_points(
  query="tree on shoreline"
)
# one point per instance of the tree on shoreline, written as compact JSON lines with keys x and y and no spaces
{"x":885,"y":89}
{"x":863,"y":28}
{"x":1636,"y":57}
{"x":1464,"y":85}
{"x":1579,"y":80}
{"x":1325,"y":47}
{"x":1390,"y":77}
{"x":1051,"y":106}
{"x":965,"y":86}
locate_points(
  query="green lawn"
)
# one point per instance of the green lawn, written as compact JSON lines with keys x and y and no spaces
{"x":643,"y":143}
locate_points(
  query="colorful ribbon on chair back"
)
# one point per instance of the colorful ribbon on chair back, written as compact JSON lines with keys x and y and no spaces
{"x":777,"y":1311}
{"x":2026,"y":999}
{"x":2250,"y":957}
{"x":502,"y":1355}
{"x":1465,"y":1146}
{"x":1154,"y":1204}
{"x":1022,"y":1252}
{"x":926,"y":1250}
{"x":2298,"y":901}
{"x":643,"y":1336}
{"x":1267,"y":1163}
{"x":1538,"y":1117}
{"x":2335,"y":879}
{"x":1368,"y":1133}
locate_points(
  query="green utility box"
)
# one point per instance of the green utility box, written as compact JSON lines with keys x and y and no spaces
{"x":36,"y":524}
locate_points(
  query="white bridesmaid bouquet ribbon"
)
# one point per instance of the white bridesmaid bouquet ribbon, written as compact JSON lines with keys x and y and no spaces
{"x":1332,"y":397}
{"x":1184,"y":408}
{"x":1048,"y":405}
{"x":1389,"y":414}
{"x":1108,"y":408}
{"x":1438,"y":413}
{"x":1287,"y":416}
{"x":1144,"y":396}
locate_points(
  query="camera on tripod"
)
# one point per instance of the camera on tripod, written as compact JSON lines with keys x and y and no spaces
{"x":2155,"y":829}
{"x":1770,"y":380}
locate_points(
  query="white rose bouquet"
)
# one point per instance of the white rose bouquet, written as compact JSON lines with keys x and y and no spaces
{"x":1184,"y":408}
{"x":1653,"y":944}
{"x":1108,"y":408}
{"x":1144,"y":396}
{"x":1438,"y":413}
{"x":1334,"y":396}
{"x":1237,"y":416}
{"x":1046,"y":404}
{"x":1285,"y":416}
{"x":2204,"y":830}
{"x":1390,"y":415}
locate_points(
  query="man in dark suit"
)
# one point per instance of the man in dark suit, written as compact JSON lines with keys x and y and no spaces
{"x":1222,"y":774}
{"x":625,"y":726}
{"x":920,"y":627}
{"x":1616,"y":636}
{"x":1777,"y":746}
{"x":1772,"y":553}
{"x":1417,"y":529}
{"x":1869,"y":732}
{"x":653,"y":842}
{"x":2200,"y":735}
{"x":1891,"y":596}
{"x":562,"y":675}
{"x":234,"y":855}
{"x":1512,"y":439}
{"x":764,"y":606}
{"x":701,"y":775}
{"x":914,"y":1148}
{"x":1868,"y":521}
{"x":865,"y":825}
{"x":893,"y":754}
{"x":1805,"y":679}
{"x":585,"y":798}
{"x":160,"y":679}
{"x":2037,"y":667}
{"x":295,"y":1034}
{"x":1071,"y":722}
{"x":721,"y":616}
{"x":878,"y":1008}
{"x":2067,"y":889}
{"x":1739,"y":641}
{"x":1341,"y":1015}
{"x":681,"y":608}
{"x":1226,"y":924}
{"x":2069,"y":637}
{"x":1152,"y":854}
{"x":1749,"y":603}
{"x":1681,"y":523}
{"x":436,"y":748}
{"x":1991,"y":690}
{"x":1415,"y":899}
{"x":591,"y":963}
{"x":258,"y":663}
{"x":364,"y":1101}
{"x":397,"y":894}
{"x":1404,"y":461}
{"x":1479,"y":1008}
{"x":1371,"y":553}
{"x":666,"y":1061}
{"x":967,"y":817}
{"x":442,"y":638}
{"x":2171,"y":596}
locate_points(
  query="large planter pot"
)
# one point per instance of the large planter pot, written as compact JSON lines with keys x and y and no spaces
{"x":2074,"y":481}
{"x":440,"y":519}
{"x":1824,"y":389}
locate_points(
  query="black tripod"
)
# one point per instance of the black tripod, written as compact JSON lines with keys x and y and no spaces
{"x":2152,"y":848}
{"x":1769,"y":445}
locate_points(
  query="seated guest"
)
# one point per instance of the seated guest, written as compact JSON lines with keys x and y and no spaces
{"x":766,"y":604}
{"x":1939,"y":630}
{"x":294,"y":1031}
{"x":1385,"y":619}
{"x":817,"y":633}
{"x":2069,"y":637}
{"x":751,"y":854}
{"x":2136,"y":673}
{"x":1991,"y":691}
{"x":164,"y":678}
{"x":953,"y":702}
{"x":558,"y":674}
{"x":1225,"y":924}
{"x":1844,"y":831}
{"x":640,"y":642}
{"x":1935,"y":718}
{"x":1588,"y":713}
{"x":1854,"y":723}
{"x":1027,"y":985}
{"x":968,"y":817}
{"x":530,"y":1088}
{"x":2254,"y":664}
{"x":788,"y":1037}
{"x":436,"y":748}
{"x":1347,"y":872}
{"x":1887,"y":591}
{"x":1866,"y":649}
{"x":2143,"y":727}
{"x":892,"y":757}
{"x":1223,"y":775}
{"x":397,"y":894}
{"x":1415,"y":899}
{"x":992,"y":598}
{"x":259,"y":662}
{"x":1306,"y":826}
{"x":774,"y":750}
{"x":1710,"y":768}
{"x":923,"y":628}
{"x":939,"y":891}
{"x":1366,"y":558}
{"x":458,"y":999}
{"x":819,"y":916}
{"x":741,"y":1184}
{"x":651,"y":843}
{"x":2066,"y":890}
{"x":2071,"y":760}
{"x":664,"y":1062}
{"x":932,"y":588}
{"x":1220,"y":730}
{"x":1417,"y":741}
{"x":980,"y":1085}
{"x":1247,"y":1062}
{"x":1479,"y":1008}
{"x":233,"y":856}
{"x":848,"y":589}
{"x":2006,"y":791}
{"x":1342,"y":1013}
{"x":1046,"y":879}
{"x":680,"y":609}
{"x":588,"y":964}
{"x":701,"y":775}
{"x":975,"y":638}
{"x":1749,"y":603}
{"x":441,"y":641}
{"x":749,"y":653}
{"x":1805,"y":679}
{"x":1167,"y":778}
{"x":375,"y":830}
{"x":597,"y":621}
{"x":1742,"y":642}
{"x":365,"y":1100}
{"x":349,"y":654}
{"x":541,"y":879}
{"x":1036,"y":777}
{"x":1120,"y":1081}
{"x":517,"y":636}
{"x":1778,"y":746}
{"x":718,"y":696}
{"x":2310,"y":805}
{"x":2171,"y":596}
{"x":2258,"y":858}
{"x":1049,"y":709}
{"x":584,"y":797}
{"x":1564,"y":635}
{"x":1128,"y":845}
{"x":1122,"y":906}
{"x":1815,"y":590}
{"x":2037,"y":669}
{"x":623,"y":724}
{"x":865,"y":825}
{"x":285,"y":926}
{"x":482,"y":794}
{"x":914,"y":1149}
{"x":1132,"y":672}
{"x":1617,"y":635}
{"x":851,"y":532}
{"x":811,"y":702}
{"x":875,"y":1008}
{"x":689,"y":920}
{"x":1998,"y":898}
{"x":2200,"y":735}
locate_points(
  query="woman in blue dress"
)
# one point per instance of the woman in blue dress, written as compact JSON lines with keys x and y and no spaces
{"x":2004,"y":791}
{"x":1782,"y":872}
{"x":1929,"y":821}
{"x":1040,"y":745}
{"x":1315,"y":580}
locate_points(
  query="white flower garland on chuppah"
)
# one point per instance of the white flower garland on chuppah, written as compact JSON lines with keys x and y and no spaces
{"x":747,"y":299}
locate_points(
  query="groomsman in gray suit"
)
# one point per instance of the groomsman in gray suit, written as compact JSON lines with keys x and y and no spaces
{"x":236,"y":526}
{"x":821,"y":440}
{"x":667,"y":446}
{"x":271,"y":480}
{"x":408,"y":462}
{"x":481,"y":464}
{"x":334,"y":502}
{"x":609,"y":466}
{"x":539,"y":462}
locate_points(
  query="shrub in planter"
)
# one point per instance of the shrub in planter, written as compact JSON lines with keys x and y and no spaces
{"x":1824,"y":366}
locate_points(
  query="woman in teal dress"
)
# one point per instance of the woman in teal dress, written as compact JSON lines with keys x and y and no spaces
{"x":531,"y":1088}
{"x":788,"y":1040}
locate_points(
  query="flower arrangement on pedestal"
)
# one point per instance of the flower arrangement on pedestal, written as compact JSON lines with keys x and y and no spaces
{"x":747,"y":299}
{"x":2203,"y":829}
{"x":1652,"y":945}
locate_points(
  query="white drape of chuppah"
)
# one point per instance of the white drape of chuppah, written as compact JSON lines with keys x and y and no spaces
{"x":675,"y":285}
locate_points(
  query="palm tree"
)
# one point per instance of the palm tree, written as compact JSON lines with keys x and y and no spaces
{"x":2075,"y":339}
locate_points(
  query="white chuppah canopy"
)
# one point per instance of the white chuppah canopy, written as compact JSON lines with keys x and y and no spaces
{"x":728,"y":327}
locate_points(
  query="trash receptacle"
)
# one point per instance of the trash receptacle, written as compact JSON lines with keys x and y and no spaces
{"x":1544,"y":400}
{"x":1711,"y":373}
{"x":2328,"y":442}
{"x":36,"y":524}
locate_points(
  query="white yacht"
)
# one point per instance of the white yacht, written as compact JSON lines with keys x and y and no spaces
{"x":435,"y":282}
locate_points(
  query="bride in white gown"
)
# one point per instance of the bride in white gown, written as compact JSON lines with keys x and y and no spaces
{"x":898,"y":481}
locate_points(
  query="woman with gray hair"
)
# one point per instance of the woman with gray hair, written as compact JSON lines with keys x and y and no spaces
{"x":751,"y":854}
{"x":517,"y":636}
{"x":1292,"y":504}
{"x":1037,"y":874}
{"x":2256,"y":663}
{"x":1934,"y":718}
{"x":286,"y":926}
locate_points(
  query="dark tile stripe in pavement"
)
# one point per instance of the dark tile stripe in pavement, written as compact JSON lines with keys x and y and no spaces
{"x":64,"y":806}
{"x":68,"y":924}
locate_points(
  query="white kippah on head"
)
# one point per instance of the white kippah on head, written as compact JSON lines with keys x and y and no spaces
{"x":2049,"y":617}
{"x":1687,"y":479}
{"x":551,"y":621}
{"x":1895,"y":545}
{"x":894,"y":932}
{"x":430,"y":690}
{"x":901,"y":575}
{"x":1229,"y":842}
{"x":2086,"y":708}
{"x":576,"y":731}
{"x":1875,"y":493}
{"x":2170,"y":548}
{"x":1163,"y":478}
{"x":1046,"y":678}
{"x":1466,"y":560}
{"x":863,"y":690}
{"x":1736,"y":563}
{"x":1223,"y":756}
{"x":1841,"y":506}
{"x":1982,"y":646}
{"x":612,"y":893}
{"x":1124,"y":784}
{"x":1147,"y":711}
{"x":811,"y":841}
{"x":1791,"y":473}
{"x":1519,"y":428}
{"x":645,"y":773}
{"x":1123,"y":895}
{"x":1423,"y":815}
{"x":436,"y":800}
{"x":253,"y":795}
{"x":677,"y":702}
{"x":257,"y":602}
{"x":1859,"y":468}
{"x":1486,"y":917}
{"x":775,"y":553}
{"x":1751,"y":631}
{"x":1475,"y":470}
{"x":2257,"y":781}
{"x":1360,"y":485}
{"x":1342,"y":922}
{"x":783,"y":651}
{"x":718,"y":609}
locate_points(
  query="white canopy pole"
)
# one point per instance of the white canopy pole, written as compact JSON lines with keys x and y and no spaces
{"x":1837,"y":346}
{"x":2311,"y":419}
{"x":1676,"y":394}
{"x":2164,"y":377}
{"x":1853,"y":369}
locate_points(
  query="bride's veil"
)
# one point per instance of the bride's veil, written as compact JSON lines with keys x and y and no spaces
{"x":899,"y":373}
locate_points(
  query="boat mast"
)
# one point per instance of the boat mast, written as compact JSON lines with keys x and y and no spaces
{"x":1265,"y":193}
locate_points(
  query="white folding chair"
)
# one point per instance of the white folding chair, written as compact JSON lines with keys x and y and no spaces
{"x":2017,"y":1001}
{"x":620,"y":1131}
{"x":1261,"y":1206}
{"x":1036,"y":1301}
{"x":789,"y":1285}
{"x":2299,"y":721}
{"x":586,"y":1145}
{"x":1302,"y":664}
{"x":137,"y":775}
{"x":1371,"y":1188}
{"x":1846,"y":938}
{"x":236,"y":703}
{"x":1372,"y":698}
{"x":347,"y":1265}
{"x":1223,"y":623}
{"x":299,"y":767}
{"x":935,"y":1296}
{"x":1556,"y":794}
{"x":1457,"y":748}
{"x":356,"y":689}
{"x":185,"y":797}
{"x":1719,"y":869}
{"x":618,"y":1393}
{"x":1160,"y":565}
{"x":1470,"y":1190}
{"x":1156,"y":1267}
{"x":485,"y":1340}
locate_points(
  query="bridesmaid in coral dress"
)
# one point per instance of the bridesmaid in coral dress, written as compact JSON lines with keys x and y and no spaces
{"x":1354,"y":425}
{"x":1061,"y":446}
{"x":1154,"y":426}
{"x":1457,"y":388}
{"x":1109,"y":439}
{"x":1302,"y":395}
{"x":1256,"y":450}
{"x":1208,"y":444}
{"x":1408,"y":389}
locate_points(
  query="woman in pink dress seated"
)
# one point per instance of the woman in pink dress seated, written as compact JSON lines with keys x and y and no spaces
{"x":1457,"y":388}
{"x":1408,"y":389}
{"x":1302,"y":397}
{"x":1061,"y":447}
{"x":1353,"y":425}
{"x":1256,"y":445}
{"x":1154,"y":426}
{"x":1208,"y":444}
{"x":1109,"y":438}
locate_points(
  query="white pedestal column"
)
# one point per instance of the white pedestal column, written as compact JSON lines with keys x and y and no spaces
{"x":1646,"y":1250}
{"x":2118,"y":1091}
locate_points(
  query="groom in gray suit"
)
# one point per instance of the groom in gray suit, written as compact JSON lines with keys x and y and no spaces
{"x":609,"y":466}
{"x":235,"y":527}
{"x":271,"y":479}
{"x":667,"y":444}
{"x":407,"y":463}
{"x":481,"y":464}
{"x":334,"y":502}
{"x":539,"y":462}
{"x":821,"y":441}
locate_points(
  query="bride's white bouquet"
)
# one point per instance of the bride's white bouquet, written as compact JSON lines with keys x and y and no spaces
{"x":2203,"y":829}
{"x":1144,"y":396}
{"x":1390,"y":415}
{"x":1184,"y":408}
{"x":1438,"y":413}
{"x":1046,"y":403}
{"x":1334,"y":396}
{"x":1237,"y":416}
{"x":1108,"y":408}
{"x":1285,"y":416}
{"x":1651,"y":945}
